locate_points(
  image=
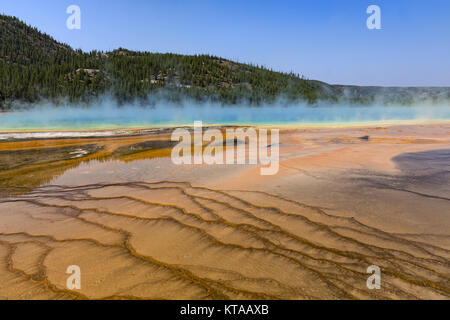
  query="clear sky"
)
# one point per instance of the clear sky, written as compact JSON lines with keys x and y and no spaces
{"x":321,"y":39}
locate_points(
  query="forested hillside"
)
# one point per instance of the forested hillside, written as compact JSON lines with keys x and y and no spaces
{"x":35,"y":67}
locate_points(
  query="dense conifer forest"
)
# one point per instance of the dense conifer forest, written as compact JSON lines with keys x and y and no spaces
{"x":34,"y":67}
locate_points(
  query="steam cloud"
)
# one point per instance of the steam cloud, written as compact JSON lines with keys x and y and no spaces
{"x":107,"y":114}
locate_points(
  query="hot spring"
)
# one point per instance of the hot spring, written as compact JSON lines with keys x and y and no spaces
{"x":110,"y":116}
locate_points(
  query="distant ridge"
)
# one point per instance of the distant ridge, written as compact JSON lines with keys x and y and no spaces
{"x":34,"y":67}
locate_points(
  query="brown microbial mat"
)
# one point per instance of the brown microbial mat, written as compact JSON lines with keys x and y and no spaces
{"x":140,"y":227}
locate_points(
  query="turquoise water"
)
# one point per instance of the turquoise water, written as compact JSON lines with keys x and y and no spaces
{"x":110,"y":117}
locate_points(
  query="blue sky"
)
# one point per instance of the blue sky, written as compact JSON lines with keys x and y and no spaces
{"x":324,"y":40}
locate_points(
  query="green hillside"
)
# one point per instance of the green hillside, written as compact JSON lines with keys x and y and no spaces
{"x":34,"y":67}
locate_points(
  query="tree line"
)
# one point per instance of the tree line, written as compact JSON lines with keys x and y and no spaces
{"x":33,"y":67}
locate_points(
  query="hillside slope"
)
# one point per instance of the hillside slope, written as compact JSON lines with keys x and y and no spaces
{"x":35,"y":67}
